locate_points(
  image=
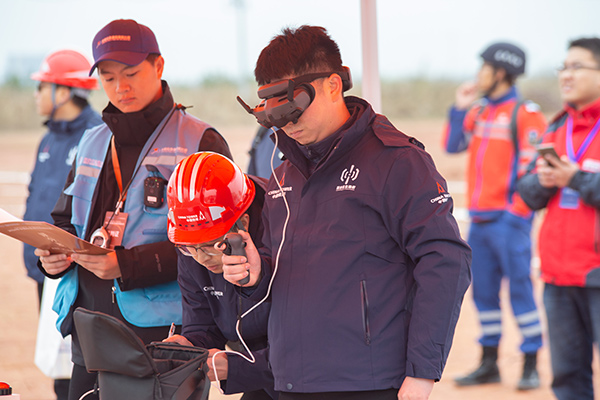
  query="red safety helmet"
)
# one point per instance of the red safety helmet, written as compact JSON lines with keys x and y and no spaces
{"x":67,"y":68}
{"x":207,"y":194}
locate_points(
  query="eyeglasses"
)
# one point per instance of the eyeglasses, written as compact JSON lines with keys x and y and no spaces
{"x":575,"y":68}
{"x":192,"y":250}
{"x":208,"y":249}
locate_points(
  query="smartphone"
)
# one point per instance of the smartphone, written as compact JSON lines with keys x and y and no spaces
{"x":547,"y":148}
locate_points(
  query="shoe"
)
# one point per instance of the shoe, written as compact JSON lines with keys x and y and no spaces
{"x":530,"y":378}
{"x":487,"y":372}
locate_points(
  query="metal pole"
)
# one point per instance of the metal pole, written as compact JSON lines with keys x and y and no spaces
{"x":242,"y":46}
{"x":371,"y":85}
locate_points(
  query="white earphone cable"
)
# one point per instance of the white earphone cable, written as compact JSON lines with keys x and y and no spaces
{"x":252,"y":359}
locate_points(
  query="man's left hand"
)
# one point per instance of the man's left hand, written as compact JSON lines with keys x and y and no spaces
{"x":221,"y":364}
{"x":562,"y":171}
{"x":415,"y":389}
{"x":103,"y":266}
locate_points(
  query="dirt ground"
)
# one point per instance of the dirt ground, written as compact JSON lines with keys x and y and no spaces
{"x":18,"y":299}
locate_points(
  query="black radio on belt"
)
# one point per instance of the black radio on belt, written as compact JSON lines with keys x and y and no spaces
{"x":154,"y":188}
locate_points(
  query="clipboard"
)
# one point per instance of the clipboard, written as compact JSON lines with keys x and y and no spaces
{"x":43,"y":235}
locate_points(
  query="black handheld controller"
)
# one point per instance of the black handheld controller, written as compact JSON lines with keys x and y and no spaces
{"x":234,"y":245}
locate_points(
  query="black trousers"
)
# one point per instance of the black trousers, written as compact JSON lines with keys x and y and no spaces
{"x":81,"y":382}
{"x":388,"y":394}
{"x":256,"y":395}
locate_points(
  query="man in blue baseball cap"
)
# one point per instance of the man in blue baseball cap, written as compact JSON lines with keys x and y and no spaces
{"x":123,"y":41}
{"x":114,"y":196}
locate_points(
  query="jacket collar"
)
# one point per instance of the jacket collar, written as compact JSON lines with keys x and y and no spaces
{"x":136,"y":127}
{"x":361,"y":117}
{"x":69,"y":127}
{"x":591,"y":112}
{"x":510,"y":95}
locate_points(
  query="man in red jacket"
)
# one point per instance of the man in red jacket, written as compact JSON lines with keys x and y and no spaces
{"x":569,"y":242}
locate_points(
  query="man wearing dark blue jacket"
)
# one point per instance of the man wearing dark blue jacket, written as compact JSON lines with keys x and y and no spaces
{"x":61,"y":96}
{"x":201,"y":183}
{"x":367,"y":265}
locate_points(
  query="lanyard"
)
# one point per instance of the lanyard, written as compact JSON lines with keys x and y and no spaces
{"x":117,"y":167}
{"x":119,"y":178}
{"x":575,"y":157}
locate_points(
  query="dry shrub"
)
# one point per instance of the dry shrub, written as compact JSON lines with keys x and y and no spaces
{"x":424,"y":99}
{"x":215,"y":100}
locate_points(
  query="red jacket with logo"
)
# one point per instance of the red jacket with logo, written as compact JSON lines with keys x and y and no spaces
{"x":569,"y":236}
{"x":494,"y":166}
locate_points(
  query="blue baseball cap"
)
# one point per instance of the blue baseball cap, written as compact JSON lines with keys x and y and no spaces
{"x":124,"y":41}
{"x":507,"y":56}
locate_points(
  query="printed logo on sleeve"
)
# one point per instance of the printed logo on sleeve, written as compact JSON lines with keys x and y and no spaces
{"x":443,"y":197}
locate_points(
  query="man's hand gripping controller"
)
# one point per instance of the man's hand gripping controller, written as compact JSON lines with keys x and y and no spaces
{"x":234,"y":245}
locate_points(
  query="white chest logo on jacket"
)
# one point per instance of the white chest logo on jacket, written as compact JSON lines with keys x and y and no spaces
{"x":211,"y":290}
{"x":347,"y":176}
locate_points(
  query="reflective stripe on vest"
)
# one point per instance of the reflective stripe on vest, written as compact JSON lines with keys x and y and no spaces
{"x":145,"y":307}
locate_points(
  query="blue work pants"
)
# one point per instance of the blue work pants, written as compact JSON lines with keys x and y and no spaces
{"x":502,"y":249}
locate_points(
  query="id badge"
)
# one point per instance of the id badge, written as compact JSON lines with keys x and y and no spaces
{"x":569,"y":199}
{"x":116,"y":227}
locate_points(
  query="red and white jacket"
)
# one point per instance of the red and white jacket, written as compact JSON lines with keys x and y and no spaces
{"x":569,"y":236}
{"x":494,"y":165}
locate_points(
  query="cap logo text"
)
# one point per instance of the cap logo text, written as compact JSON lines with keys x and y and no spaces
{"x":114,"y":38}
{"x":508,"y":57}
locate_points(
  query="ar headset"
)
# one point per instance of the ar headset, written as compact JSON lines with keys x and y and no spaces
{"x":284,"y":101}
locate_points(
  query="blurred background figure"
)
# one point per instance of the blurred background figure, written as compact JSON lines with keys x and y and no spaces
{"x":61,"y":96}
{"x":499,"y":132}
{"x":569,"y":240}
{"x":261,"y":152}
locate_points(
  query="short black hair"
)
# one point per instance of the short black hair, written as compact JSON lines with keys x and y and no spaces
{"x":80,"y":102}
{"x":509,"y":79}
{"x":152,"y":57}
{"x":296,"y":52}
{"x":592,"y":44}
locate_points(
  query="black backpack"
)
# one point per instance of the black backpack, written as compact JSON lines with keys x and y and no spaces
{"x":128,"y":369}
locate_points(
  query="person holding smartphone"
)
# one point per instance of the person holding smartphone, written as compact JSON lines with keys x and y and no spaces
{"x":567,"y":185}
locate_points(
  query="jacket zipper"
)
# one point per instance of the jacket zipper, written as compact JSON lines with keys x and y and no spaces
{"x":114,"y":294}
{"x":239,"y":313}
{"x":364,"y":301}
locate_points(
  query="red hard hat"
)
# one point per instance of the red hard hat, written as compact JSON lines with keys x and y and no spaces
{"x":67,"y":68}
{"x":207,"y":194}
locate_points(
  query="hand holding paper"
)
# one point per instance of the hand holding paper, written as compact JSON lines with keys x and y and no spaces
{"x":45,"y":236}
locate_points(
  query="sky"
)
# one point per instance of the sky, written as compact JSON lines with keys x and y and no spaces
{"x":199,"y":39}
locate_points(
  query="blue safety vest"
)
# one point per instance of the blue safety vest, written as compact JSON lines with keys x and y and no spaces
{"x":144,"y":307}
